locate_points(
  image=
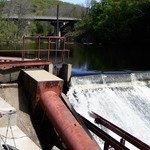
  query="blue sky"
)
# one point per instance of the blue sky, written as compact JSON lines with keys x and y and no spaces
{"x":80,"y":2}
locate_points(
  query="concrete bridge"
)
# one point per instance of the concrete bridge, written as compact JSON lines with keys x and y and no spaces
{"x":57,"y":22}
{"x":45,"y":18}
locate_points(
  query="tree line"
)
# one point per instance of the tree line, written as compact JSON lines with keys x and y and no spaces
{"x":121,"y":21}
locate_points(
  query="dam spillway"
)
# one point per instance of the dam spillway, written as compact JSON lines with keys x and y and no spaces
{"x":121,"y":98}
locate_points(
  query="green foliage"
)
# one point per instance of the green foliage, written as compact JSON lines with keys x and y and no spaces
{"x":49,"y":7}
{"x":7,"y":32}
{"x":40,"y":28}
{"x":117,"y":20}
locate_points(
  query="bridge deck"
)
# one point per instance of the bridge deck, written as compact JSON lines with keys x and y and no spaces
{"x":44,"y":18}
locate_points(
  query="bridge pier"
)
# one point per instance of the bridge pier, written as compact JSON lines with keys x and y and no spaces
{"x":57,"y":31}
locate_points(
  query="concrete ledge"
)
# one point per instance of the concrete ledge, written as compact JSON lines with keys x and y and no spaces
{"x":22,"y":141}
{"x":7,"y":111}
{"x":9,"y":74}
{"x":37,"y":81}
{"x":42,"y":75}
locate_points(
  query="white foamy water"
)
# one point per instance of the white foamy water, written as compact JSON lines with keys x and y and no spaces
{"x":123,"y":99}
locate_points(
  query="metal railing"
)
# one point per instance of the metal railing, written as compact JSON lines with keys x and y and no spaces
{"x":109,"y":141}
{"x":60,"y":48}
{"x":39,"y":55}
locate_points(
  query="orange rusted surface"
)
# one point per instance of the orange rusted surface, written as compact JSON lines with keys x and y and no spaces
{"x":71,"y":132}
{"x":23,"y":63}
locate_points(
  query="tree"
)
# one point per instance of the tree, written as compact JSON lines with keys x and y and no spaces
{"x":7,"y":28}
{"x":21,"y":9}
{"x":116,"y":20}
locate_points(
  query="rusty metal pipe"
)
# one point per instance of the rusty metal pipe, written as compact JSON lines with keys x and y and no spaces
{"x":71,"y":132}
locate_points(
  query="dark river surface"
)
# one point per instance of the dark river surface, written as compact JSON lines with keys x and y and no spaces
{"x":90,"y":58}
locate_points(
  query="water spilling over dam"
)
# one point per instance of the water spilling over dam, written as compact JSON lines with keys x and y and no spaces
{"x":121,"y":98}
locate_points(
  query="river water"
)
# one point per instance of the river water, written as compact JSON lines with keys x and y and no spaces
{"x":93,"y":58}
{"x":89,"y":57}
